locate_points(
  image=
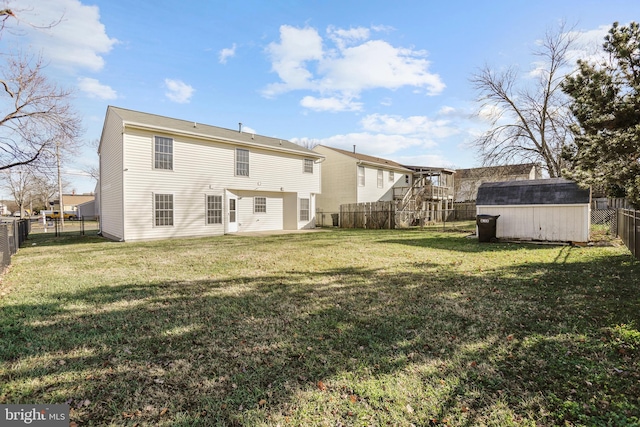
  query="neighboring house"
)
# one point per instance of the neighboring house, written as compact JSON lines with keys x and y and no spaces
{"x":87,"y":210}
{"x":71,"y":201}
{"x":162,"y":177}
{"x":555,"y":210}
{"x":4,"y":209}
{"x":467,"y":181}
{"x":352,"y":177}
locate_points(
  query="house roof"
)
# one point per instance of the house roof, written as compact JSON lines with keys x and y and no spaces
{"x":370,"y":159}
{"x":76,"y":199}
{"x":555,"y":191}
{"x":495,"y":171}
{"x":430,"y":170}
{"x":160,"y":123}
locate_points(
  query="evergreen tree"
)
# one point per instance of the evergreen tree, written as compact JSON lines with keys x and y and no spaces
{"x":606,"y":104}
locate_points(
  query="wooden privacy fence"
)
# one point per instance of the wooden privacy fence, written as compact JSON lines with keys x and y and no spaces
{"x":629,"y":230}
{"x":373,"y":215}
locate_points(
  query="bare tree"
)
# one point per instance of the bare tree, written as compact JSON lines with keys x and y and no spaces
{"x":43,"y":190}
{"x":530,"y":123}
{"x":37,"y":114}
{"x":18,"y":182}
{"x":7,"y":13}
{"x":94,"y":170}
{"x":308,"y":143}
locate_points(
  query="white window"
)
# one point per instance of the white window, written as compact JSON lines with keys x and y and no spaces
{"x":360,"y":176}
{"x":308,"y":166}
{"x":163,"y":153}
{"x":242,"y":162}
{"x":304,"y":209}
{"x":392,"y":178}
{"x":260,"y":205}
{"x":214,"y":209}
{"x":380,"y":178}
{"x":163,"y":209}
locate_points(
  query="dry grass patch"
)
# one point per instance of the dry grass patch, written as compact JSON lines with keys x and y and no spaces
{"x":339,"y":328}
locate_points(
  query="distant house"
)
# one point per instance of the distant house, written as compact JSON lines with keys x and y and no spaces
{"x":71,"y":201}
{"x":467,"y":181}
{"x":555,"y":210}
{"x":419,"y":193}
{"x":352,"y":177}
{"x":162,"y":177}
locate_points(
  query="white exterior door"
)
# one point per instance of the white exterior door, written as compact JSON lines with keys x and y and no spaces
{"x":232,"y":214}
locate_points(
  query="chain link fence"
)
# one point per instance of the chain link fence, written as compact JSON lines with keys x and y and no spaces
{"x":12,"y":234}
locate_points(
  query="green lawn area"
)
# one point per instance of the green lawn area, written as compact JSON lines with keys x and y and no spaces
{"x":336,"y":328}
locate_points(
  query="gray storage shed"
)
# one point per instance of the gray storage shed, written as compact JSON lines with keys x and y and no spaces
{"x":555,"y":210}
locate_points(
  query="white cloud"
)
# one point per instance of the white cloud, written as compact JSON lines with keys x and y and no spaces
{"x":355,"y":64}
{"x":76,"y":40}
{"x":586,"y":46}
{"x":446,"y":110}
{"x":227,"y":53}
{"x":414,"y":125}
{"x":289,"y":57}
{"x":342,"y":37}
{"x":375,"y":144}
{"x":94,"y":89}
{"x":247,"y":129}
{"x":434,"y":160}
{"x":179,"y":91}
{"x":330,"y":104}
{"x":490,"y":113}
{"x":377,"y":64}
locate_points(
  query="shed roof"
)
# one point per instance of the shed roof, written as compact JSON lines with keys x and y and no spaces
{"x":555,"y":191}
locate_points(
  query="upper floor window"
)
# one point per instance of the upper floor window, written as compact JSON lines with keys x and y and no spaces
{"x":242,"y":162}
{"x":308,"y":166}
{"x":380,"y":178}
{"x":214,"y":209}
{"x":392,"y":177}
{"x":163,"y":209}
{"x":163,"y":153}
{"x":360,"y":176}
{"x":260,"y":205}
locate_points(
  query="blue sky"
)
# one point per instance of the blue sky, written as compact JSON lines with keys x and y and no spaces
{"x":391,"y":77}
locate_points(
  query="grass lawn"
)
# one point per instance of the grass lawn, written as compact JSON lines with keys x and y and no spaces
{"x":336,"y":328}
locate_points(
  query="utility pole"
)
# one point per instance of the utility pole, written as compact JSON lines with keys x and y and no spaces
{"x":60,"y":187}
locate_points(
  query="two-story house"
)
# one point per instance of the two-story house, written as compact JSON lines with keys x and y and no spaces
{"x":352,"y":177}
{"x":162,"y":177}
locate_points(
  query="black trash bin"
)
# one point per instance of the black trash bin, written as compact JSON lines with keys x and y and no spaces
{"x":487,"y":228}
{"x":334,"y":218}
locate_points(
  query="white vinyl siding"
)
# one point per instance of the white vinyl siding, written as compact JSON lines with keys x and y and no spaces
{"x":199,"y":167}
{"x":380,"y":178}
{"x":308,"y":166}
{"x":273,"y":219}
{"x":555,"y":223}
{"x":111,"y":179}
{"x":163,"y":210}
{"x":242,"y":162}
{"x":214,"y":210}
{"x":304,"y":209}
{"x":163,"y":153}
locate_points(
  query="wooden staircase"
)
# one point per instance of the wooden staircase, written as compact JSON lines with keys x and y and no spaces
{"x":421,"y":203}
